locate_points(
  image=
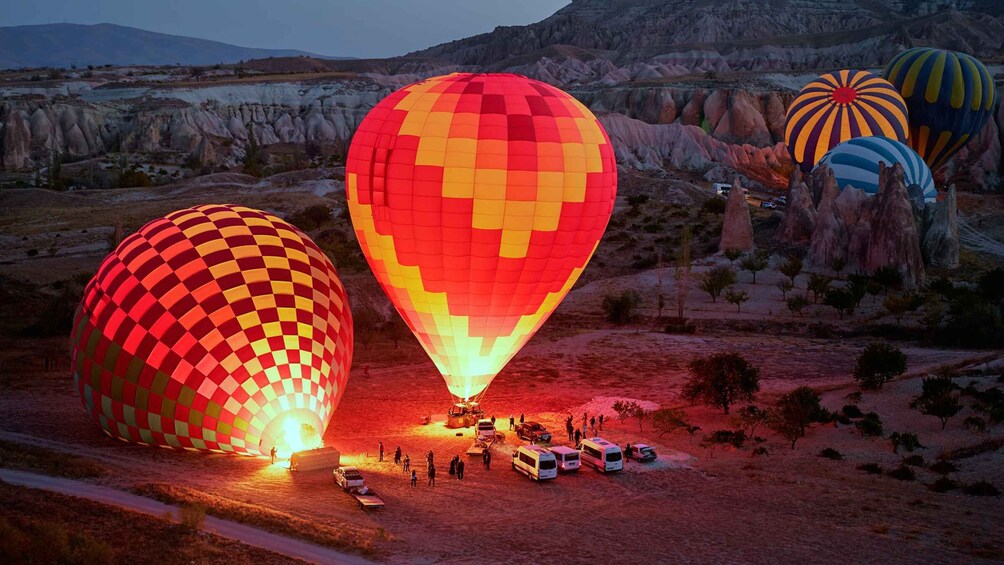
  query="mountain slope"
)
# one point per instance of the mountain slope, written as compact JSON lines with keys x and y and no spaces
{"x":62,"y":45}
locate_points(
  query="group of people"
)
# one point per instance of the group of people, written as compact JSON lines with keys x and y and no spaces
{"x":457,"y":465}
{"x":592,"y":424}
{"x":512,"y":421}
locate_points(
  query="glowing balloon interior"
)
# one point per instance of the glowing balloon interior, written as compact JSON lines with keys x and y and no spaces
{"x":215,"y":328}
{"x":950,"y":96}
{"x":478,"y":200}
{"x":840,"y":106}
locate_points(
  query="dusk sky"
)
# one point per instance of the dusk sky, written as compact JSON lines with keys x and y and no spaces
{"x":356,"y":28}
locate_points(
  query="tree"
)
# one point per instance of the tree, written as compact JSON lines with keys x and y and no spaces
{"x":716,"y":280}
{"x":625,"y":409}
{"x":732,"y":255}
{"x":934,"y":312}
{"x":668,"y":420}
{"x":794,"y":412}
{"x":878,"y":364}
{"x":396,"y":329}
{"x":365,"y":325}
{"x":898,"y":305}
{"x":621,"y":308}
{"x":639,"y":413}
{"x":818,"y":285}
{"x":749,"y":418}
{"x":196,"y":72}
{"x":797,"y":303}
{"x":785,"y":287}
{"x":755,"y":262}
{"x":682,"y":273}
{"x":939,"y":398}
{"x":722,"y":380}
{"x":841,"y":299}
{"x":791,"y":268}
{"x":888,"y":276}
{"x":737,"y":298}
{"x":838,"y":264}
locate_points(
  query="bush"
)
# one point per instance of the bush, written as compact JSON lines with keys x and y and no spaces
{"x":721,"y":380}
{"x":755,"y":262}
{"x":877,"y":364}
{"x":716,"y":280}
{"x":193,"y":515}
{"x":852,"y":411}
{"x":830,"y":453}
{"x":943,"y":467}
{"x":888,"y":276}
{"x":939,"y":398}
{"x":975,"y":423}
{"x":870,"y":425}
{"x":870,"y":468}
{"x":903,"y":473}
{"x":943,"y":484}
{"x":914,"y":461}
{"x":621,"y":308}
{"x":981,"y":488}
{"x":667,"y":420}
{"x":908,"y":441}
{"x":794,"y":412}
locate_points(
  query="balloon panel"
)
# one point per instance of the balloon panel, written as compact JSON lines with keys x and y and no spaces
{"x":478,"y":200}
{"x":950,"y":96}
{"x":207,"y":328}
{"x":855,"y":162}
{"x":840,"y":106}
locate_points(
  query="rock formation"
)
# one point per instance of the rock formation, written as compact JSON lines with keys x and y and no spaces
{"x":940,"y":226}
{"x":800,"y":216}
{"x":737,"y":227}
{"x":893,"y":239}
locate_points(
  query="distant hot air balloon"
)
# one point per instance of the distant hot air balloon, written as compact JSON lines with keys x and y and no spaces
{"x":216,"y":328}
{"x":950,"y":96}
{"x":840,"y":106}
{"x":855,"y":162}
{"x":478,"y":199}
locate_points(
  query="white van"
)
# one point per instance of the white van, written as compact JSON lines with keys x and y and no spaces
{"x":601,"y":454}
{"x":535,"y":462}
{"x":567,"y":458}
{"x":485,"y":429}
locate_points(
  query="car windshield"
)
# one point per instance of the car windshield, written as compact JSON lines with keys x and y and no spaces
{"x":548,"y":464}
{"x":353,"y":475}
{"x":614,"y":456}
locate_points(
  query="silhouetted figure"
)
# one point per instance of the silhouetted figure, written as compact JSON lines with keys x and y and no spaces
{"x":273,"y":454}
{"x":628,"y":451}
{"x":488,"y":460}
{"x":578,"y":437}
{"x":521,"y":419}
{"x":601,"y":422}
{"x":397,"y":455}
{"x":407,"y":464}
{"x":493,"y":419}
{"x":432,"y":475}
{"x":512,"y":422}
{"x":381,"y":451}
{"x":453,"y":466}
{"x":460,"y":470}
{"x":414,"y":478}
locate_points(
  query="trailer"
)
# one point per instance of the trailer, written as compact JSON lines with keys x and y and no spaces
{"x":314,"y":459}
{"x":366,"y":497}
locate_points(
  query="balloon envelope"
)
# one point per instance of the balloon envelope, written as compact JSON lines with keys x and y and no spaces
{"x":216,"y":328}
{"x":950,"y":96}
{"x":855,"y":162}
{"x":478,"y":199}
{"x":840,"y":106}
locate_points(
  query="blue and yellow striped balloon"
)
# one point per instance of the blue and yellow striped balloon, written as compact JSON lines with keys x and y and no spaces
{"x":855,"y":162}
{"x":840,"y":106}
{"x":950,"y":96}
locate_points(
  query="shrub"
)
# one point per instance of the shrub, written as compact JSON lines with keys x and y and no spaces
{"x":737,"y":298}
{"x":943,"y":484}
{"x":732,"y":255}
{"x":943,"y":467}
{"x":909,"y":442}
{"x":975,"y":423}
{"x":791,"y":268}
{"x":877,"y":364}
{"x":852,"y":411}
{"x":981,"y":488}
{"x":749,"y":418}
{"x":842,"y":300}
{"x":668,"y":420}
{"x":193,"y":515}
{"x":716,"y":280}
{"x":818,"y":285}
{"x":796,"y":304}
{"x":888,"y":276}
{"x":870,"y":468}
{"x":939,"y":398}
{"x":755,"y":262}
{"x":621,"y":308}
{"x":794,"y":412}
{"x":914,"y":461}
{"x":870,"y":425}
{"x":903,"y":473}
{"x":721,"y":380}
{"x":830,"y":453}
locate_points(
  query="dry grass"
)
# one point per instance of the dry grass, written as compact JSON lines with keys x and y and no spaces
{"x":345,"y":537}
{"x":48,"y":462}
{"x":43,"y":527}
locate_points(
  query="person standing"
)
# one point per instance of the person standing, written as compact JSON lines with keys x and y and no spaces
{"x":432,"y":475}
{"x":592,"y":424}
{"x":397,"y":455}
{"x":578,"y":437}
{"x":628,"y":451}
{"x":585,"y":419}
{"x":521,"y":419}
{"x":414,"y":478}
{"x":453,"y":466}
{"x":381,"y":451}
{"x":493,"y":420}
{"x":601,"y":422}
{"x":273,"y":454}
{"x":429,"y":458}
{"x":460,"y":470}
{"x":568,"y":428}
{"x":407,"y":463}
{"x":488,"y":460}
{"x":512,"y":422}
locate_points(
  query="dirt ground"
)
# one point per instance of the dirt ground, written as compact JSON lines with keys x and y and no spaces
{"x":692,"y":506}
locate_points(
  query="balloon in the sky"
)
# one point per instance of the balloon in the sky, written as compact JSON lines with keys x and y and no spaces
{"x":840,"y":106}
{"x":855,"y":162}
{"x":216,"y":328}
{"x":478,"y":199}
{"x":950,"y":96}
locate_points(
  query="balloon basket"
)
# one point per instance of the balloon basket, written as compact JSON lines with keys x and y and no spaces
{"x":463,"y":415}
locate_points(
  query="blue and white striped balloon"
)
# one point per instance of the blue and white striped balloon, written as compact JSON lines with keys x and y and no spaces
{"x":855,"y":162}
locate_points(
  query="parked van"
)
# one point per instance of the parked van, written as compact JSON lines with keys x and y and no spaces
{"x":567,"y":458}
{"x":601,"y":454}
{"x":485,"y":429}
{"x":721,"y":188}
{"x":535,"y":462}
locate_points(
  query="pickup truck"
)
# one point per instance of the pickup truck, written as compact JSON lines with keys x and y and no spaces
{"x":644,"y":453}
{"x":533,"y":431}
{"x":348,"y":478}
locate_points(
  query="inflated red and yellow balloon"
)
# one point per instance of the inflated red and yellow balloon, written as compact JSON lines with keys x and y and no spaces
{"x":216,"y":328}
{"x":478,"y":199}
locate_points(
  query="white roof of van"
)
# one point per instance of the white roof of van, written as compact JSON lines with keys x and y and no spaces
{"x":563,"y":449}
{"x":599,"y":441}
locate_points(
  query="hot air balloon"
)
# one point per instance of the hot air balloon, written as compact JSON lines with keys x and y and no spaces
{"x":478,"y":199}
{"x":840,"y":106}
{"x":855,"y":162}
{"x":950,"y":96}
{"x":217,"y":328}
